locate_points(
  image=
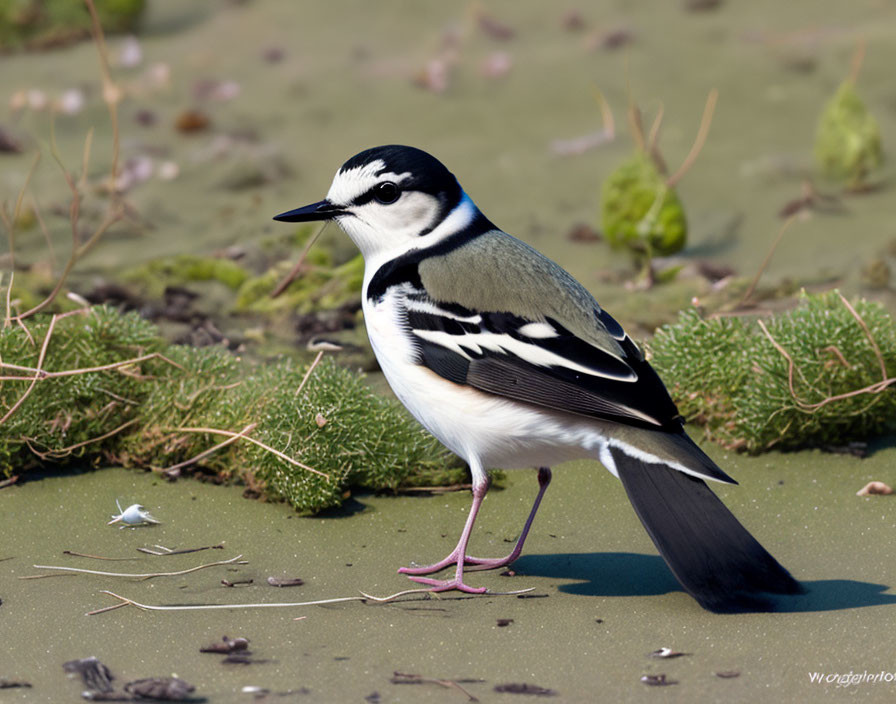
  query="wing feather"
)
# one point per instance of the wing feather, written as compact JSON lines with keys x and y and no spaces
{"x":540,"y":362}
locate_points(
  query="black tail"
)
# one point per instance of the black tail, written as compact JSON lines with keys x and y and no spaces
{"x":714,"y":557}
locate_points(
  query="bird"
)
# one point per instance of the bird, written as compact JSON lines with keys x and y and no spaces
{"x":510,"y":362}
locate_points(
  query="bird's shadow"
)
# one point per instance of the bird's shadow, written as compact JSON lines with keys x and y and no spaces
{"x":633,"y":574}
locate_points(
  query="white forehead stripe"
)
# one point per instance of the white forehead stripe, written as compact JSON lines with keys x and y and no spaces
{"x":351,"y":183}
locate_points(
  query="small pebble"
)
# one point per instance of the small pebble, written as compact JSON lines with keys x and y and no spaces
{"x":657,"y":680}
{"x":285,"y":581}
{"x":875,"y":488}
{"x":190,"y":121}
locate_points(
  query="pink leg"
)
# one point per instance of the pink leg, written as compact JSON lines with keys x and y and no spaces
{"x":544,"y":479}
{"x":459,"y":557}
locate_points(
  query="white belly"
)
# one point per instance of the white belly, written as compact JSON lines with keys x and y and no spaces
{"x":482,"y":429}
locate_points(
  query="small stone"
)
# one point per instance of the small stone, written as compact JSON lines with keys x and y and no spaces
{"x":657,"y":680}
{"x":164,"y":688}
{"x":872,"y":488}
{"x":190,"y":121}
{"x":286,"y":581}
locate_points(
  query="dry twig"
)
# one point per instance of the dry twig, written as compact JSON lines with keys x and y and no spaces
{"x":148,"y":575}
{"x":874,"y":388}
{"x":268,"y":448}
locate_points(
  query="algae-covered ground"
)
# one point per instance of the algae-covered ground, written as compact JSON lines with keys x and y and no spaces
{"x":288,"y":92}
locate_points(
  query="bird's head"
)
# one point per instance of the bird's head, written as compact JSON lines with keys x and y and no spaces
{"x":392,"y":198}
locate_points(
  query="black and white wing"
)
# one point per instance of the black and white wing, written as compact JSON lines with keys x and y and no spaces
{"x":541,"y":362}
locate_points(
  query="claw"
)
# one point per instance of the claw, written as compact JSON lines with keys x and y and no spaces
{"x":444,"y":585}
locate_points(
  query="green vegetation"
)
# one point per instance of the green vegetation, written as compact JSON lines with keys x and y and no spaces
{"x":641,"y":212}
{"x":816,"y":376}
{"x":321,"y":287}
{"x":640,"y":208}
{"x":847,"y":141}
{"x":159,"y":405}
{"x":156,"y":275}
{"x":44,"y":23}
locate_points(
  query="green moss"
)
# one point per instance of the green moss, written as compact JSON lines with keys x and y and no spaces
{"x":727,"y":375}
{"x":40,"y":23}
{"x":336,"y":425}
{"x":155,"y":276}
{"x":847,"y":141}
{"x":319,"y":286}
{"x":640,"y":213}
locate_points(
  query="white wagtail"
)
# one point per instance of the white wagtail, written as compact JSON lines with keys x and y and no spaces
{"x":510,"y":362}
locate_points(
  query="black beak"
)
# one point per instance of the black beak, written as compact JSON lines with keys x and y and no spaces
{"x":322,"y":210}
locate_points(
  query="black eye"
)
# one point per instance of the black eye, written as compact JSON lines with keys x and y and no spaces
{"x":386,"y":192}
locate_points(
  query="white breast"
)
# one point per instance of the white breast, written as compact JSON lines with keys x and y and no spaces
{"x":481,"y":428}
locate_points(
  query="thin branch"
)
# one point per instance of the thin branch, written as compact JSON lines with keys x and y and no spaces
{"x":228,"y":433}
{"x":290,"y":277}
{"x":875,"y":388}
{"x":46,"y":233}
{"x":111,"y":93}
{"x":393,"y":597}
{"x":65,"y":451}
{"x":858,"y":58}
{"x":42,"y":374}
{"x":636,"y":127}
{"x":163,"y":551}
{"x":148,"y":575}
{"x":40,"y":362}
{"x":27,"y":332}
{"x":186,"y":463}
{"x":606,"y":114}
{"x":97,"y":557}
{"x":308,"y":373}
{"x":204,"y":607}
{"x":765,"y":262}
{"x":404,"y":678}
{"x":17,"y":210}
{"x":8,"y":318}
{"x":871,"y":340}
{"x":85,"y":159}
{"x":702,"y":133}
{"x":111,"y":96}
{"x":655,"y":129}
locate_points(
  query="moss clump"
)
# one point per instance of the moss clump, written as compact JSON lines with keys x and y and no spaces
{"x":43,"y":23}
{"x":155,"y":276}
{"x":151,"y":409}
{"x":320,"y":287}
{"x":727,"y":375}
{"x":640,"y":212}
{"x":847,"y":141}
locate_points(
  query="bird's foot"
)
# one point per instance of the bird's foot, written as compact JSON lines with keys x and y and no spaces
{"x":449,"y":561}
{"x":476,"y":564}
{"x":489,"y":563}
{"x":445,"y":585}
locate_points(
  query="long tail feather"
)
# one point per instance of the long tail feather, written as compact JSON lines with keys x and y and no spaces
{"x":711,"y":554}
